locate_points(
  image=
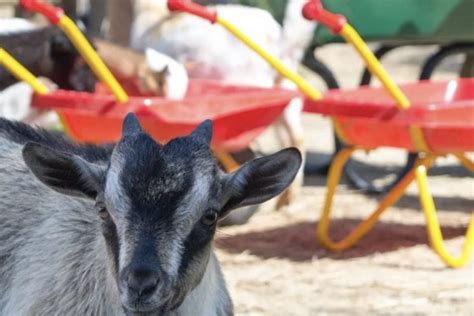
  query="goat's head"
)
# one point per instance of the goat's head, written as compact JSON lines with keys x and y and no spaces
{"x":160,"y":204}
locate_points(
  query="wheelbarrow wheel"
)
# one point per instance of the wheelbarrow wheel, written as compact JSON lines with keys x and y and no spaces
{"x":357,"y":181}
{"x":319,"y":68}
{"x":354,"y":176}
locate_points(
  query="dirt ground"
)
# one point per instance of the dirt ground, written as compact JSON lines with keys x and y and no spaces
{"x":275,"y":266}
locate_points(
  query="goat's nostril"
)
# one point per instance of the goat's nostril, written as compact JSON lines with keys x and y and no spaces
{"x":142,"y":282}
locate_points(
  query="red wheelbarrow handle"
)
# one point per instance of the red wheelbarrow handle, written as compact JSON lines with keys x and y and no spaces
{"x":193,"y":8}
{"x":52,"y":13}
{"x":313,"y":10}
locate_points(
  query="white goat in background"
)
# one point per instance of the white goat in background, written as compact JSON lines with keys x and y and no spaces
{"x":211,"y":52}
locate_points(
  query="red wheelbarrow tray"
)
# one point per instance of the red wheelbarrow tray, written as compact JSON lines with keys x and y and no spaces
{"x":369,"y":118}
{"x":240,"y":113}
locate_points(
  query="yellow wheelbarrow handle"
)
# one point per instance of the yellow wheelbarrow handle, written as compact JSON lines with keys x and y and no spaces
{"x":20,"y":72}
{"x":212,"y":16}
{"x":57,"y":17}
{"x":313,"y":10}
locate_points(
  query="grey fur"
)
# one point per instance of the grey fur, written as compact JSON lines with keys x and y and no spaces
{"x":57,"y":257}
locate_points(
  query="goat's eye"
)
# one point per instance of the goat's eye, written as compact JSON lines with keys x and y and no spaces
{"x":210,"y":218}
{"x":102,"y":210}
{"x":103,"y":213}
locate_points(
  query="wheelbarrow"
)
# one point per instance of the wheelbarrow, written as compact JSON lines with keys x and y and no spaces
{"x":395,"y":24}
{"x":432,"y":119}
{"x":240,"y":113}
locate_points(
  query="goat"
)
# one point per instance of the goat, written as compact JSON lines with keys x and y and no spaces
{"x":123,"y":229}
{"x":157,"y":73}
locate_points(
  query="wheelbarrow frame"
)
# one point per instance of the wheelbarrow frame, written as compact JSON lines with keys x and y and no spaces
{"x":314,"y":10}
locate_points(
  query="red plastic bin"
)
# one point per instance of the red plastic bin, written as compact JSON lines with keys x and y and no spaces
{"x":239,"y":113}
{"x":370,"y":118}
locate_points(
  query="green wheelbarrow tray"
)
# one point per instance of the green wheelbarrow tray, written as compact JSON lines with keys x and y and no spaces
{"x":404,"y":21}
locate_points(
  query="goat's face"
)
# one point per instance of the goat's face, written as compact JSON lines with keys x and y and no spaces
{"x":162,"y":202}
{"x":159,"y":205}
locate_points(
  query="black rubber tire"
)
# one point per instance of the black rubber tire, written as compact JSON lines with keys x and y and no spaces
{"x":435,"y":60}
{"x":353,"y":176}
{"x":312,"y":63}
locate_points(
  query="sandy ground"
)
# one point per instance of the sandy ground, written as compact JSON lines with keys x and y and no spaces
{"x":275,"y":266}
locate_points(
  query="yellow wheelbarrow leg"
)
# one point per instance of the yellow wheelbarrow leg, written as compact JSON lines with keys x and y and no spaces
{"x":227,"y":161}
{"x":434,"y":230}
{"x":366,"y":225}
{"x":466,"y":162}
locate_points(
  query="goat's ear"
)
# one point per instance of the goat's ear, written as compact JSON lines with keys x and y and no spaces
{"x":65,"y":173}
{"x":203,"y":133}
{"x":131,"y":125}
{"x":165,"y":71}
{"x":155,"y":60}
{"x":260,"y":179}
